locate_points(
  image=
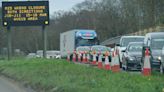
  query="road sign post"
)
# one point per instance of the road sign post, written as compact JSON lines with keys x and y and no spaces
{"x":44,"y":36}
{"x":9,"y":47}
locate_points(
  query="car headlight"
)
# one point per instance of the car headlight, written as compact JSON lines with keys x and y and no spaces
{"x":131,"y":58}
{"x":159,"y":58}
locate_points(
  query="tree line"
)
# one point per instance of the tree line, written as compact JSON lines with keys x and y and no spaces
{"x":108,"y":17}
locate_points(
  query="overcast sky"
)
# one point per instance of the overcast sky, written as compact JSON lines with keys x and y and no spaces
{"x":56,"y":5}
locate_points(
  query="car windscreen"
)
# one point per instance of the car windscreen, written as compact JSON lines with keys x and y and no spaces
{"x":135,"y":48}
{"x":157,"y":43}
{"x":82,"y":49}
{"x":126,"y":41}
{"x":99,"y":49}
{"x":86,"y":42}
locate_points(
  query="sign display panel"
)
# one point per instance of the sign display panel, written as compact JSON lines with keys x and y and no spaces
{"x":25,"y":13}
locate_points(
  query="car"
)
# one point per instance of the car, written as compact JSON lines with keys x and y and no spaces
{"x":58,"y":56}
{"x":31,"y":55}
{"x":154,"y":41}
{"x":131,"y":59}
{"x":82,"y":49}
{"x":100,"y":49}
{"x":124,"y":41}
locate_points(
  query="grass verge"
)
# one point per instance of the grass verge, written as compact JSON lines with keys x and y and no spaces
{"x":61,"y":76}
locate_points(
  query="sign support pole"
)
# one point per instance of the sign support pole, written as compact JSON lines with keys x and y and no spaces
{"x":9,"y":47}
{"x":44,"y":35}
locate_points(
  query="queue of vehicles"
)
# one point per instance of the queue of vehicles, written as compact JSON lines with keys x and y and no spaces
{"x":132,"y":51}
{"x":81,"y":40}
{"x":155,"y":43}
{"x":131,"y":48}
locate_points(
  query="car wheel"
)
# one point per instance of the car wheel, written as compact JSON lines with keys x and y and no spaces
{"x":123,"y":68}
{"x":126,"y":66}
{"x":123,"y":65}
{"x":120,"y":65}
{"x":142,"y":64}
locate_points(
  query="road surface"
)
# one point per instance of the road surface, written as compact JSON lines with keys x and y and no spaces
{"x":7,"y":85}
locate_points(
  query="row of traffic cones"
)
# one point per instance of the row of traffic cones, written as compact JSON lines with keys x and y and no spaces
{"x":85,"y":57}
{"x":114,"y":66}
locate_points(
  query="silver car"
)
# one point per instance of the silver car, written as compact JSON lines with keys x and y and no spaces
{"x":100,"y":49}
{"x":82,"y":49}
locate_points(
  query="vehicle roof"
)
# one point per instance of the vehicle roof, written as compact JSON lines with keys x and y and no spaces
{"x":98,"y":46}
{"x":136,"y":43}
{"x":155,"y":34}
{"x":83,"y":47}
{"x":84,"y":30}
{"x":132,"y":37}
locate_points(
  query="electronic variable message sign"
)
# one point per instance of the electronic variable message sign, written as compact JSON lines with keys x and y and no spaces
{"x":25,"y":13}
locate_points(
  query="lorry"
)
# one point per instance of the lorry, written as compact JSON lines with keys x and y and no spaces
{"x":72,"y":39}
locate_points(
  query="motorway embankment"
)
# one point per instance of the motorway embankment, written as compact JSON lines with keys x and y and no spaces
{"x":60,"y":76}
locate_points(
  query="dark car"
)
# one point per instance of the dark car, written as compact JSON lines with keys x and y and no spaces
{"x":132,"y":56}
{"x":154,"y":42}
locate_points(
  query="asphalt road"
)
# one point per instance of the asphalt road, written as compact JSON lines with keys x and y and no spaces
{"x":7,"y":85}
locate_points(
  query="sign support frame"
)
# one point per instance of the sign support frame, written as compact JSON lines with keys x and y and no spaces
{"x":9,"y":44}
{"x":42,"y":19}
{"x":44,"y":36}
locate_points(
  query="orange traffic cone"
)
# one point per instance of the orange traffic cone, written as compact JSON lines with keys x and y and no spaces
{"x":100,"y":61}
{"x":113,"y":61}
{"x":94,"y":58}
{"x":74,"y":56}
{"x":79,"y":56}
{"x":116,"y":63}
{"x":84,"y":57}
{"x":107,"y":65}
{"x":68,"y":56}
{"x":88,"y":57}
{"x":146,"y":67}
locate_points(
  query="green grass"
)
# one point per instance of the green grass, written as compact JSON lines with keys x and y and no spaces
{"x":61,"y":76}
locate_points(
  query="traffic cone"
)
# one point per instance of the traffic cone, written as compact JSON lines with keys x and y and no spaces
{"x":146,"y":67}
{"x":74,"y":56}
{"x":84,"y":57}
{"x":68,"y":56}
{"x":94,"y":58}
{"x":79,"y":56}
{"x":107,"y":65}
{"x":88,"y":58}
{"x":116,"y":63}
{"x":113,"y":61}
{"x":100,"y":61}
